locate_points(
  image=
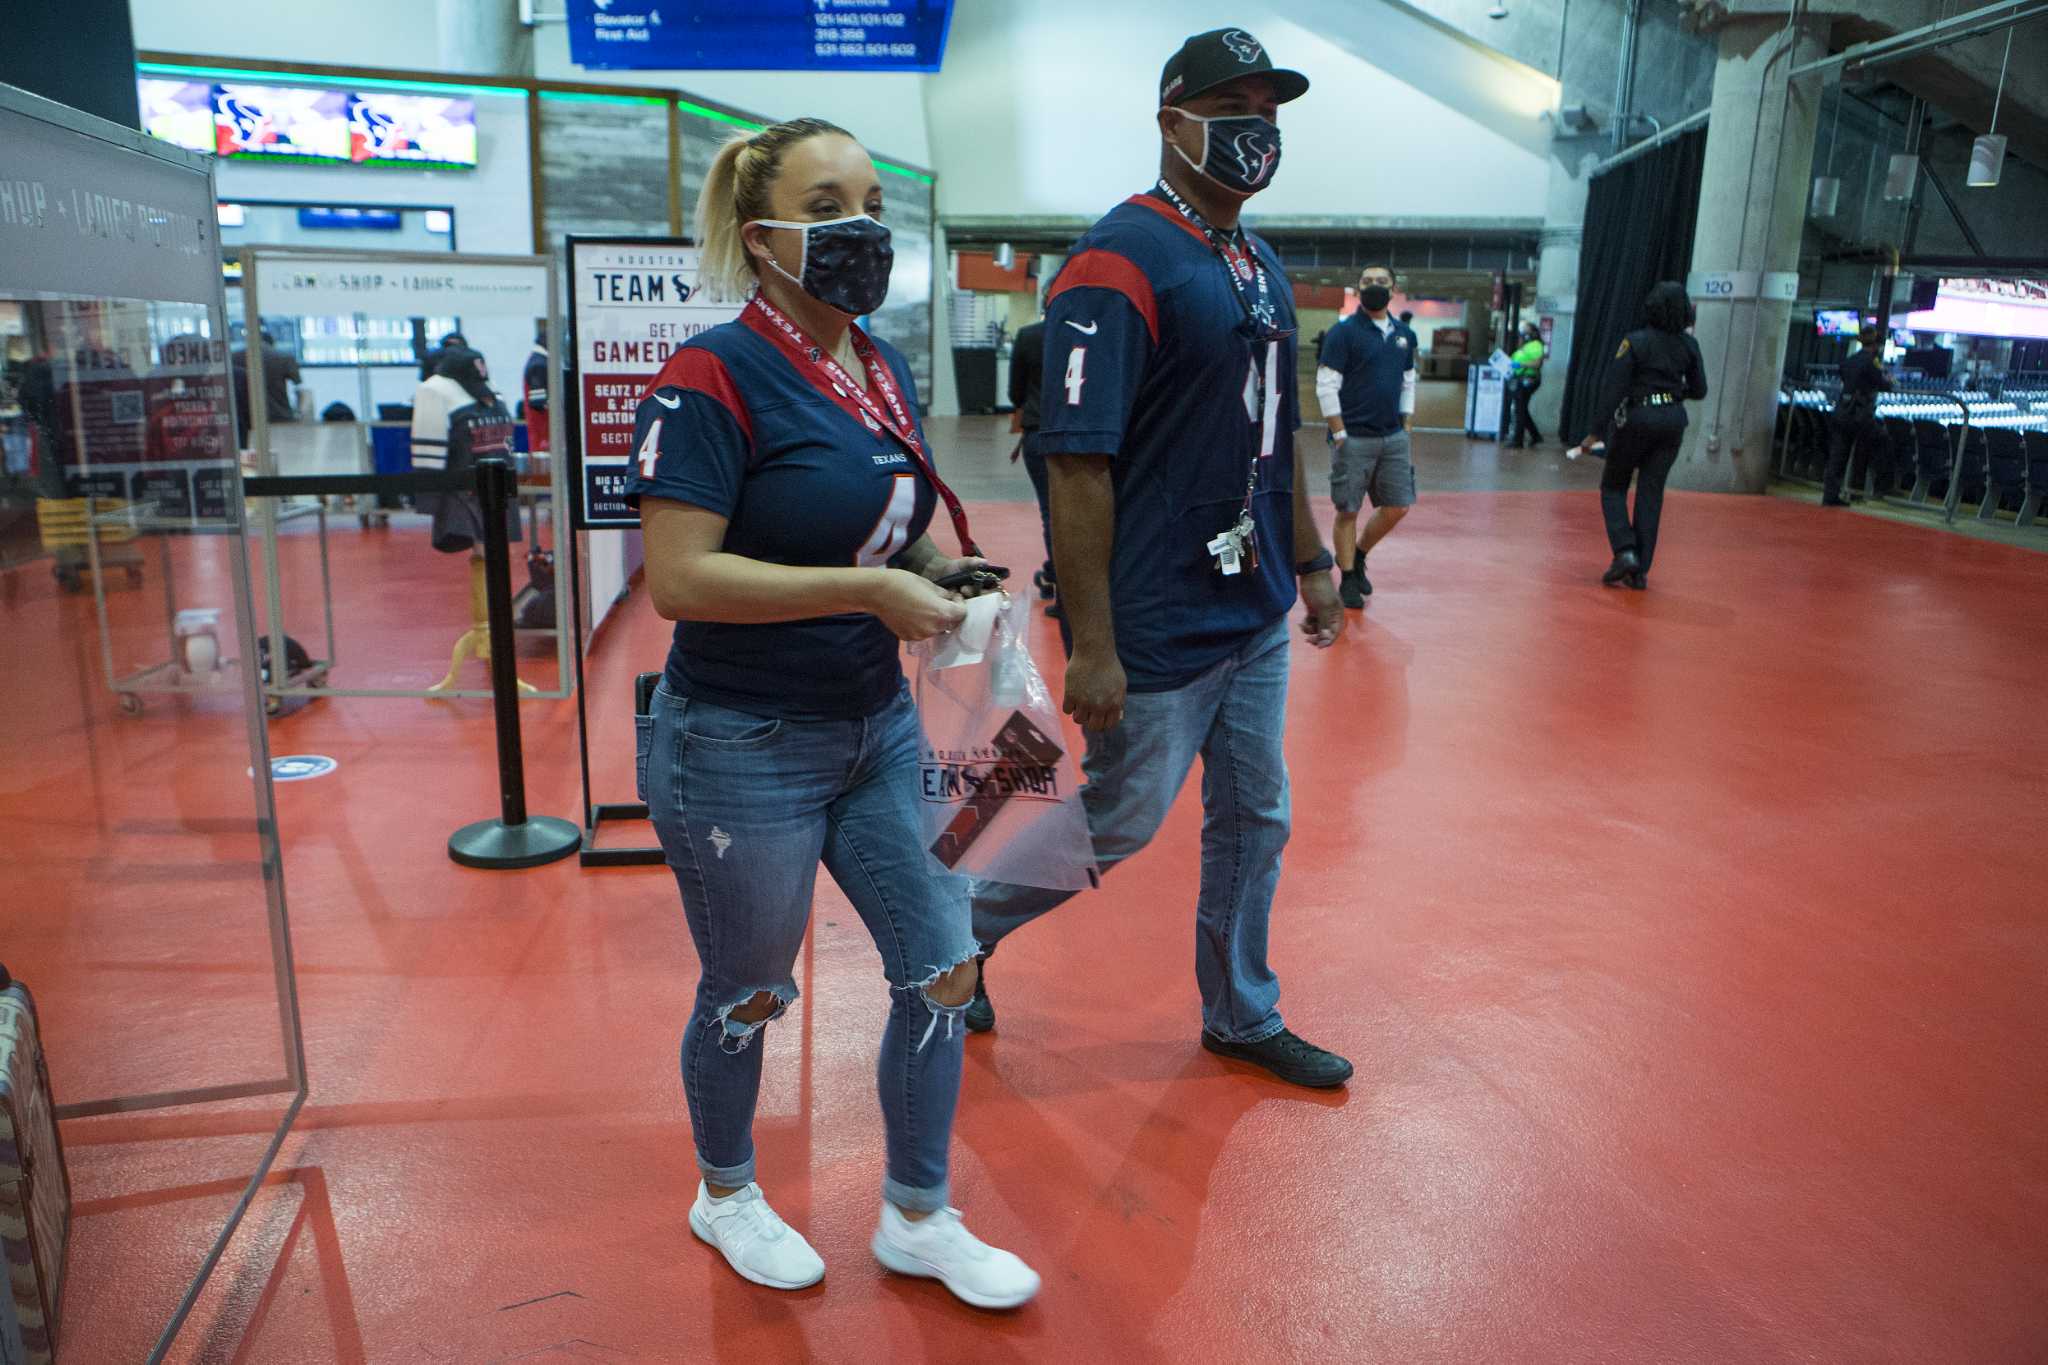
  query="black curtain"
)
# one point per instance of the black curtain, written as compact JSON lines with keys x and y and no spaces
{"x":1639,"y":224}
{"x":80,"y":53}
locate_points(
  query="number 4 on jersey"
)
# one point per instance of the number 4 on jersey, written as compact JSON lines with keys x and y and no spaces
{"x":650,"y":449}
{"x":1076,"y":358}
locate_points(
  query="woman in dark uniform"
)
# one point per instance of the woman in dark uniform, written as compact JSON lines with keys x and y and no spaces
{"x":1641,"y":418}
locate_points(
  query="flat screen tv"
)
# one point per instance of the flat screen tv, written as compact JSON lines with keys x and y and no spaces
{"x":325,"y":124}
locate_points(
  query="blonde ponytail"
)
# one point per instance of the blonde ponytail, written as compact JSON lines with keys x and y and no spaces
{"x":736,"y":192}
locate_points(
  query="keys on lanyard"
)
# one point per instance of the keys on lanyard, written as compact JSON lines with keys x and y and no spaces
{"x":1237,"y":549}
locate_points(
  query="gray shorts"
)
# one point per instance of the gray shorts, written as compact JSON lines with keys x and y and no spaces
{"x":1375,"y":466}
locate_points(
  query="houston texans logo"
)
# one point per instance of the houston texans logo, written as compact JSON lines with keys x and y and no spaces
{"x":1254,"y":156}
{"x":244,"y":124}
{"x":1242,"y":46}
{"x":379,"y":131}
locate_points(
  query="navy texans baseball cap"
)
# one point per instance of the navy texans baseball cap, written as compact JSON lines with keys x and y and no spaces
{"x":1207,"y":60}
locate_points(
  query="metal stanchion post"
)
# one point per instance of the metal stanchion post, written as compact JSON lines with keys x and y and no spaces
{"x":513,"y":839}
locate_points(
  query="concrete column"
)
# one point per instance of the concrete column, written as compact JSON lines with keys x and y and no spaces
{"x":482,"y":38}
{"x":1557,"y":275}
{"x":1752,"y":211}
{"x":944,"y":399}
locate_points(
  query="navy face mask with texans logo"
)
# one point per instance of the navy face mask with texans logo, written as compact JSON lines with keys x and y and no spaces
{"x":1239,"y":153}
{"x":846,"y":262}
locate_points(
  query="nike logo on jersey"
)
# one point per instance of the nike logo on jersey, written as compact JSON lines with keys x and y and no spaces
{"x":667,"y":401}
{"x":1088,"y":331}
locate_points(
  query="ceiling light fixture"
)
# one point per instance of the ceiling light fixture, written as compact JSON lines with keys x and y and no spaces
{"x":1987,"y":153}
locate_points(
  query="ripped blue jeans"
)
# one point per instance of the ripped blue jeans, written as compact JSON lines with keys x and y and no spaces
{"x":746,"y":807}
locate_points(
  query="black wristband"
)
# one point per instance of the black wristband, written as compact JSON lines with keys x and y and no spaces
{"x":1322,"y":563}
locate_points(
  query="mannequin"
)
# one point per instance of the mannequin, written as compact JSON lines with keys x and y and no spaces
{"x":457,"y":420}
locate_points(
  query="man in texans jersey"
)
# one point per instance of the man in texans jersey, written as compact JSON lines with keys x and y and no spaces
{"x":1180,"y":527}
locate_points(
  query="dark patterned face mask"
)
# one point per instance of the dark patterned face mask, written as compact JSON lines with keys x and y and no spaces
{"x":845,"y":262}
{"x":1240,"y":152}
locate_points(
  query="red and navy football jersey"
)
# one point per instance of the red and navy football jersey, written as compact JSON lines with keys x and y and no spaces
{"x":1148,"y":360}
{"x":732,"y":426}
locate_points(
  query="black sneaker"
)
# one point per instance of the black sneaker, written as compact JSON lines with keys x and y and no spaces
{"x":1364,"y":583}
{"x":1349,"y":589}
{"x":1291,"y":1058}
{"x":980,"y":1015}
{"x":1624,"y":567}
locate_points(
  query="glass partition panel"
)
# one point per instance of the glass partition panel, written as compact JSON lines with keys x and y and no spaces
{"x":143,"y":897}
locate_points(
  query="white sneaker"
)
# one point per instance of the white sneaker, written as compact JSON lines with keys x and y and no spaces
{"x":942,"y":1248}
{"x":754,"y":1241}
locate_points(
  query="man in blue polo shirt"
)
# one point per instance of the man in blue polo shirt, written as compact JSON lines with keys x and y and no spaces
{"x":1365,"y":382}
{"x":1180,"y":525}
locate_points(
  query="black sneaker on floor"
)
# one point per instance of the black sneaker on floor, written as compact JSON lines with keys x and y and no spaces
{"x":980,"y":1015}
{"x":1293,"y":1059}
{"x":1349,"y":590}
{"x":1364,"y":583}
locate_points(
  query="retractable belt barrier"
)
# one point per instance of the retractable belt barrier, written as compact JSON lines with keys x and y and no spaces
{"x":514,"y":839}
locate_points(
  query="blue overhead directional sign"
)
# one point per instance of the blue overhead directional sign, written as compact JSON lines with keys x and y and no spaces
{"x":759,"y":35}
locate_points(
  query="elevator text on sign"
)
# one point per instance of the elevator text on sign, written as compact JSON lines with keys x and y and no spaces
{"x":760,"y":35}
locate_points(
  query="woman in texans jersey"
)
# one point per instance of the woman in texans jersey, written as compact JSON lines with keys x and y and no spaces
{"x":785,"y":489}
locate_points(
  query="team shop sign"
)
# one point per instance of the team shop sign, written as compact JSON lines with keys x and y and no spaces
{"x":635,"y":305}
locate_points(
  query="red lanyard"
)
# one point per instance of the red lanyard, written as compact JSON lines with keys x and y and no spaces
{"x":827,"y":374}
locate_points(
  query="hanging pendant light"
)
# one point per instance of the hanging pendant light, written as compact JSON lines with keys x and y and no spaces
{"x":1900,"y":176}
{"x":1987,"y":153}
{"x":1827,"y":189}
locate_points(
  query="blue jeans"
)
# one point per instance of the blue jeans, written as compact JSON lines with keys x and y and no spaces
{"x":746,"y":806}
{"x":1231,"y":716}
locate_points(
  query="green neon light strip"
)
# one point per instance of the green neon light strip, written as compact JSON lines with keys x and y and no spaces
{"x":919,"y":176}
{"x":601,"y":99}
{"x":295,"y":78}
{"x":719,"y":116}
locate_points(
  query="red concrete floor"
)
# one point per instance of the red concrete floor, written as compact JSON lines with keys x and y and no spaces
{"x":1690,"y":946}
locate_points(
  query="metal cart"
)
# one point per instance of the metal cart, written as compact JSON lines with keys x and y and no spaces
{"x":173,"y":675}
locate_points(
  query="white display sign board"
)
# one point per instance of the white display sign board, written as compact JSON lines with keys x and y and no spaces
{"x":92,"y":214}
{"x":1742,"y":284}
{"x":1486,"y":390}
{"x":309,"y":286}
{"x":633,"y":302}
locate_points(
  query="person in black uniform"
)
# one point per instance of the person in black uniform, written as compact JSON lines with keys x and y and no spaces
{"x":1641,"y":417}
{"x":1027,"y":376}
{"x":1855,"y":416}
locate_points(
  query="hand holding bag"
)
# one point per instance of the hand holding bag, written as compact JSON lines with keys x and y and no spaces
{"x":1001,"y":791}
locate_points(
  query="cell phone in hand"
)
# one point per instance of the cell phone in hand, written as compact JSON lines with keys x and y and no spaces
{"x":985,"y":577}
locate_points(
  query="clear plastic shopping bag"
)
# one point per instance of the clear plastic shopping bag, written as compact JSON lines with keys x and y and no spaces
{"x":1001,"y":792}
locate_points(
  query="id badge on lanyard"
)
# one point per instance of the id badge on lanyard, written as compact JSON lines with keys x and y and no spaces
{"x":1238,"y":548}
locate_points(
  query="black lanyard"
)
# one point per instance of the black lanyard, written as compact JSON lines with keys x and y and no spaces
{"x":1239,"y":260}
{"x":1259,"y":322}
